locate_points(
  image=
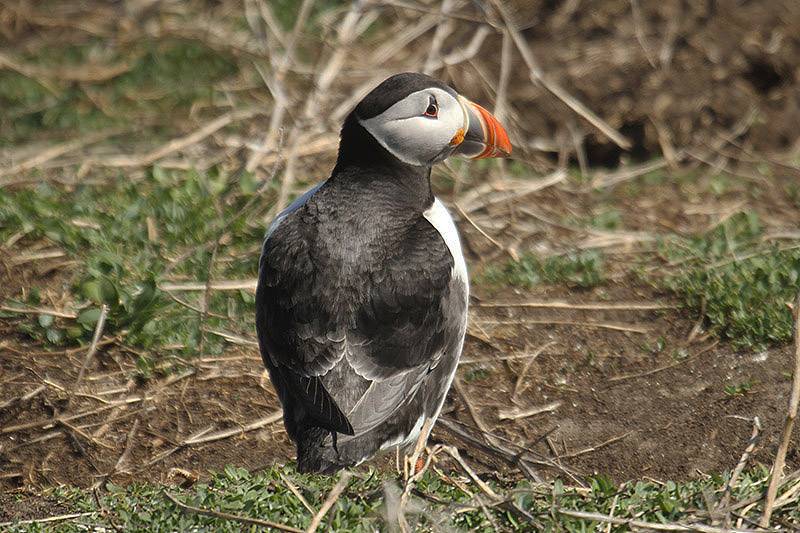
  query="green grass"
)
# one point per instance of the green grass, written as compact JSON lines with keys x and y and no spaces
{"x":607,"y":218}
{"x":581,"y":269}
{"x":740,"y":388}
{"x":742,"y":281}
{"x":164,"y":80}
{"x":286,"y":12}
{"x":438,"y":503}
{"x":108,"y":230}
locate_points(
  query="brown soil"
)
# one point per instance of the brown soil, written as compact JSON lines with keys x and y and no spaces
{"x":670,"y":74}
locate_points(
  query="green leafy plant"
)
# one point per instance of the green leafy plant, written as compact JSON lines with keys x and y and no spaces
{"x":122,"y":261}
{"x":740,"y":388}
{"x":439,"y":501}
{"x":742,"y":282}
{"x":583,"y":269}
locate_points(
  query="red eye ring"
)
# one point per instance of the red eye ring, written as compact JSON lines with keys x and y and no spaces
{"x":433,"y":108}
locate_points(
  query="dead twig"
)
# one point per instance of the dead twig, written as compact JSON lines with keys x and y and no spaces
{"x":463,"y":487}
{"x":45,"y":520}
{"x":401,"y":40}
{"x":233,"y":338}
{"x":602,"y":179}
{"x":179,"y":143}
{"x":591,"y":449}
{"x":478,"y":228}
{"x":788,"y":424}
{"x":698,"y":325}
{"x":516,"y":413}
{"x":453,"y":452}
{"x":296,"y":492}
{"x":38,"y":311}
{"x":603,"y":325}
{"x":507,"y":451}
{"x":464,"y":53}
{"x":122,"y":458}
{"x":444,"y":26}
{"x":503,"y":357}
{"x":751,"y":444}
{"x":23,"y":398}
{"x":490,"y":194}
{"x":330,"y":500}
{"x":473,"y":413}
{"x":219,"y":435}
{"x":638,"y":22}
{"x":302,"y":15}
{"x":50,"y":422}
{"x":98,"y":332}
{"x":655,"y":526}
{"x":215,"y":285}
{"x":58,"y":150}
{"x":501,"y":101}
{"x":203,"y":436}
{"x":617,"y":379}
{"x":790,"y":496}
{"x":562,"y":304}
{"x":524,"y":372}
{"x":87,"y":72}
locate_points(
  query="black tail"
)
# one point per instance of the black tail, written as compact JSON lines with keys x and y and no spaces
{"x":317,"y":452}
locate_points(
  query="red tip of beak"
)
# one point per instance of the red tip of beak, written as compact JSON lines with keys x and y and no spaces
{"x":485,"y":137}
{"x":495,"y":136}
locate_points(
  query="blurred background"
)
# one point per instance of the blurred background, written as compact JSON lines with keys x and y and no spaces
{"x":630,"y":265}
{"x":589,"y":82}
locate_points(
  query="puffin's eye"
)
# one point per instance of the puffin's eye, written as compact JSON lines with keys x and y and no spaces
{"x":433,"y":108}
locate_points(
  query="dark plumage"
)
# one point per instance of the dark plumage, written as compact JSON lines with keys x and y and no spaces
{"x":362,"y":292}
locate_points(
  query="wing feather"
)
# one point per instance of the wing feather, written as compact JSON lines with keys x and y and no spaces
{"x":360,"y":343}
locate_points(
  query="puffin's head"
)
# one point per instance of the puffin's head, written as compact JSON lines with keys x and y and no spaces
{"x":421,"y":121}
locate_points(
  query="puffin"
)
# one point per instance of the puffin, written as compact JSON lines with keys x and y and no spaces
{"x":361,"y":303}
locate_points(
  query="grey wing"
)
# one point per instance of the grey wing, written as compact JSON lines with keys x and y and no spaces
{"x":299,"y":342}
{"x":414,"y":318}
{"x":352,"y":367}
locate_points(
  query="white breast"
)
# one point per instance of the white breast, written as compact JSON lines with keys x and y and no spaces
{"x":440,"y":219}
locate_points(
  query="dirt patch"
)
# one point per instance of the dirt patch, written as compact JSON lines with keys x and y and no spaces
{"x":116,"y":428}
{"x":621,"y":409}
{"x":28,"y":505}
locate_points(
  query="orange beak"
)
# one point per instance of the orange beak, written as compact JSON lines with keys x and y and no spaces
{"x":485,"y":137}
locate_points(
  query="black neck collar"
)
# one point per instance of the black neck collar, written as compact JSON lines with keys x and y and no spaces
{"x":362,"y":157}
{"x":357,"y":147}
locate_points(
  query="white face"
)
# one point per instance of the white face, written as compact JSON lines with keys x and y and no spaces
{"x":420,"y":129}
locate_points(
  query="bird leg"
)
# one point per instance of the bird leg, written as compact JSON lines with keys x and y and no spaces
{"x":413,"y":464}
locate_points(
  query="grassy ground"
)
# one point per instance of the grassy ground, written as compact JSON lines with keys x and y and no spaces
{"x":235,"y":499}
{"x":140,"y":170}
